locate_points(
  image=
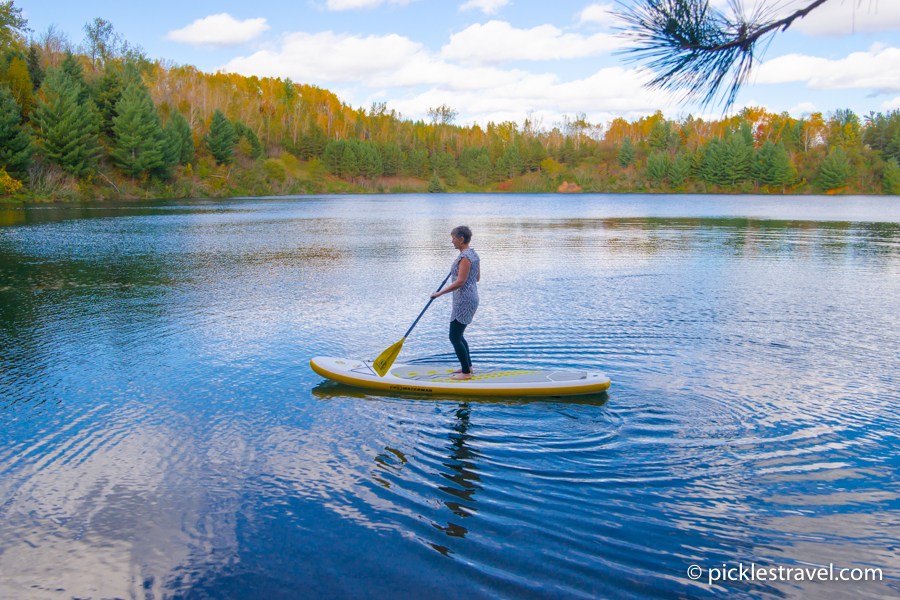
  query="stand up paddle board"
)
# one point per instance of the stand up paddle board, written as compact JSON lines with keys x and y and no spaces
{"x":428,"y":379}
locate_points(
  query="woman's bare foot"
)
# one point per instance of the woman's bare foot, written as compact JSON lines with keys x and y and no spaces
{"x":461,"y":376}
{"x":460,"y":371}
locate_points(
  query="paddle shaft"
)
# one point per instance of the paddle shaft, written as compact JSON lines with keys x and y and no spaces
{"x":426,"y":306}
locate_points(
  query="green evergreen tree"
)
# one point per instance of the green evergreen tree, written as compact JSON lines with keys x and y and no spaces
{"x":713,"y":162}
{"x":435,"y":186}
{"x":34,"y":67}
{"x":626,"y":152}
{"x":835,"y":170}
{"x":366,"y":160}
{"x":416,"y":162}
{"x":392,"y":160}
{"x":657,"y":166}
{"x":221,"y":138}
{"x":171,"y":147}
{"x":349,"y":163}
{"x":892,"y":148}
{"x":15,"y":145}
{"x":138,"y":135}
{"x":107,"y":93}
{"x":452,"y":178}
{"x":680,"y":170}
{"x":185,"y":138}
{"x":334,"y":152}
{"x":772,"y":165}
{"x":377,"y":168}
{"x":66,"y":130}
{"x":697,"y":157}
{"x":659,"y":135}
{"x":736,"y":159}
{"x":509,"y":164}
{"x":891,"y":177}
{"x":71,"y":65}
{"x":481,"y":170}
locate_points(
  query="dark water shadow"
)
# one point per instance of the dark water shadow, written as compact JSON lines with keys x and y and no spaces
{"x":330,"y":390}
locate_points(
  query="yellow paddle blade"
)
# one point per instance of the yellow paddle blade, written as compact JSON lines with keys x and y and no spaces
{"x":387,"y":358}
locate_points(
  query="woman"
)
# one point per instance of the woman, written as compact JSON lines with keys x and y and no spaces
{"x":466,"y":272}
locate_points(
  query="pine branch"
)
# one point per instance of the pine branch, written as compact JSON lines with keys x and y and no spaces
{"x":695,"y":49}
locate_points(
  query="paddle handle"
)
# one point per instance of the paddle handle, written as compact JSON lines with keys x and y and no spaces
{"x":426,"y":306}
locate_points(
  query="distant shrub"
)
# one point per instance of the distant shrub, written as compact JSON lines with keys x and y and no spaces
{"x":275,"y":170}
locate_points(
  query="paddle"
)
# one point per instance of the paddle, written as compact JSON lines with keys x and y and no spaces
{"x":387,"y":358}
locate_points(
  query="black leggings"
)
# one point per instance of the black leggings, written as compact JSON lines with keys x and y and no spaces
{"x":460,"y":345}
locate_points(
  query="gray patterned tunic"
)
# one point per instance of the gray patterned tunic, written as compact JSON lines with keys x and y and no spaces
{"x":465,"y":299}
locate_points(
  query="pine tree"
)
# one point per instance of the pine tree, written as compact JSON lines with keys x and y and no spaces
{"x":415,"y":162}
{"x":366,"y":161}
{"x":659,"y":135}
{"x":697,"y":157}
{"x":772,"y":165}
{"x":835,"y":170}
{"x":626,"y":152}
{"x":34,"y":67}
{"x":891,"y":177}
{"x":759,"y":167}
{"x":72,"y":67}
{"x":713,"y":162}
{"x":107,"y":93}
{"x":349,"y":163}
{"x":657,"y":166}
{"x":15,"y":145}
{"x":514,"y":162}
{"x":481,"y":170}
{"x":392,"y":160}
{"x":736,"y":160}
{"x":65,"y":129}
{"x":138,"y":134}
{"x":334,"y":152}
{"x":435,"y":186}
{"x":377,"y":163}
{"x":171,"y":147}
{"x":221,"y":138}
{"x":680,"y":170}
{"x":185,"y":137}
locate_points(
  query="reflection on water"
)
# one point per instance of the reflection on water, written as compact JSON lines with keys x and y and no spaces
{"x":164,"y":436}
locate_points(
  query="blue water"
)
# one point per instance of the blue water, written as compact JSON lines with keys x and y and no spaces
{"x":164,"y":437}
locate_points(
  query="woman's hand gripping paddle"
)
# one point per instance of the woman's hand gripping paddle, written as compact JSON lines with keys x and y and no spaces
{"x":387,"y":358}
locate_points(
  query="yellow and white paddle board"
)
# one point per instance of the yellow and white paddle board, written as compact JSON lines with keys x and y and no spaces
{"x":428,"y":379}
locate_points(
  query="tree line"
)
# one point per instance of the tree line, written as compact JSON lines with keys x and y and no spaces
{"x":102,"y":114}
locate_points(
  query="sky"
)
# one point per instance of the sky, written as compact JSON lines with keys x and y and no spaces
{"x":495,"y":60}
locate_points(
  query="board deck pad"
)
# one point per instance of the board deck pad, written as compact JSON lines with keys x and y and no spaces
{"x":438,"y":379}
{"x":425,"y":373}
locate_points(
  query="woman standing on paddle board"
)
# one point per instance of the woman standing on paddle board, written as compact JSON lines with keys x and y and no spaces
{"x":466,"y":273}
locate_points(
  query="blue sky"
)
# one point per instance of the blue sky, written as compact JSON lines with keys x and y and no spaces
{"x":493,"y":59}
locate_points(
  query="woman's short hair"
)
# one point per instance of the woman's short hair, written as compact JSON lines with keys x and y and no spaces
{"x":462,"y":232}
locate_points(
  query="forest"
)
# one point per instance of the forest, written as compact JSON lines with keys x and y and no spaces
{"x":100,"y":120}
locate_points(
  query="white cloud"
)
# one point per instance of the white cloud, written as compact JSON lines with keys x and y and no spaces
{"x":877,"y":71}
{"x":802,"y":109}
{"x":597,"y":13}
{"x":497,"y":41}
{"x":326,"y":56}
{"x":891,"y":104}
{"x":361,"y":4}
{"x":219,"y":30}
{"x":844,"y":17}
{"x":488,"y":7}
{"x":375,"y":64}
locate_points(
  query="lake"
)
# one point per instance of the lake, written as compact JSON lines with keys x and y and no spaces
{"x":165,"y":437}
